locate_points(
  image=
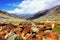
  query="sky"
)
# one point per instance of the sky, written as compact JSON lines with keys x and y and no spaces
{"x":9,"y":4}
{"x":27,"y":6}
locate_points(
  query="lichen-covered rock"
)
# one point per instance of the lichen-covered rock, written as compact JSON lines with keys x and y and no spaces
{"x":12,"y":37}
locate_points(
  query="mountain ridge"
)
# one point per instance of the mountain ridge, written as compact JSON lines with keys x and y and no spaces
{"x":52,"y":14}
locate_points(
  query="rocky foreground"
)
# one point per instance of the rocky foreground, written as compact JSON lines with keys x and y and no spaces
{"x":28,"y":31}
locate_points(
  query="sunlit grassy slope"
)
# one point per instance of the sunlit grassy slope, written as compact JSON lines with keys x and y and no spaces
{"x":5,"y":17}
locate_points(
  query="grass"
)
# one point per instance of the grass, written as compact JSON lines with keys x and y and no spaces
{"x":57,"y":28}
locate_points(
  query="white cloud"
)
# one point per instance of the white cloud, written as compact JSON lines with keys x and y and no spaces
{"x":16,"y":11}
{"x":33,"y":6}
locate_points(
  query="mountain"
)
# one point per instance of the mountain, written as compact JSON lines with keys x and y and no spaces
{"x":39,"y":14}
{"x":25,"y":16}
{"x":5,"y":16}
{"x":31,"y":16}
{"x":50,"y":14}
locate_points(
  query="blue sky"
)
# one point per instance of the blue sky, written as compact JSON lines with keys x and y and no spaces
{"x":4,"y":4}
{"x":27,"y":6}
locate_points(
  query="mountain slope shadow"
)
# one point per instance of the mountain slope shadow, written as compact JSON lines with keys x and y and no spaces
{"x":39,"y":14}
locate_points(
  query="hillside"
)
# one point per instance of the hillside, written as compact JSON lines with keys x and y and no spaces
{"x":5,"y":17}
{"x":51,"y":14}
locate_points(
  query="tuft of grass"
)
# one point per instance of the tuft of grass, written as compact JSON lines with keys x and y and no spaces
{"x":41,"y":23}
{"x":57,"y":28}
